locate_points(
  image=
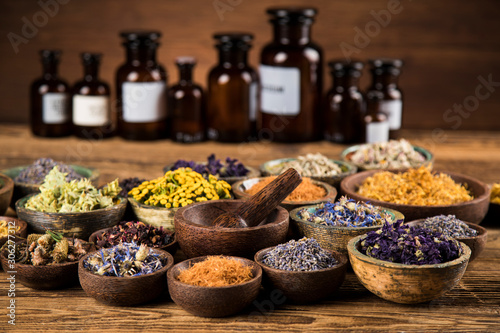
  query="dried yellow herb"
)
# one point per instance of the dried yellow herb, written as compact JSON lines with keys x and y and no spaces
{"x":495,"y":194}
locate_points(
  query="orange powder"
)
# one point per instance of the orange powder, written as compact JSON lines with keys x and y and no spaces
{"x":306,"y":191}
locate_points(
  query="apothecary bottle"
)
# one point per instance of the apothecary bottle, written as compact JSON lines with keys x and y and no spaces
{"x":376,"y":121}
{"x":291,"y":74}
{"x":232,"y":91}
{"x":141,"y":89}
{"x":385,"y":75}
{"x":91,"y":102}
{"x":186,"y":105}
{"x":344,"y":105}
{"x":50,"y":99}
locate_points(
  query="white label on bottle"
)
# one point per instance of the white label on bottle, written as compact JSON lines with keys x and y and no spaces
{"x":55,"y":108}
{"x":253,"y":101}
{"x":394,"y":110}
{"x":377,"y":132}
{"x":144,"y":102}
{"x":280,"y":92}
{"x":90,"y":110}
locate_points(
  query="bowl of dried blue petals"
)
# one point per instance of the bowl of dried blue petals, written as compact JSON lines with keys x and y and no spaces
{"x":125,"y":274}
{"x":406,"y":264}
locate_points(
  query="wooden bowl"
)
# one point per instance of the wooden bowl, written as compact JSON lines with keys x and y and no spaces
{"x":21,"y":233}
{"x":472,"y":211}
{"x":330,"y":237}
{"x":347,"y":155}
{"x":301,"y":286}
{"x":55,"y":276}
{"x":125,"y":291}
{"x":156,"y":216}
{"x":79,"y":225}
{"x":240,"y":188}
{"x":197,"y":237}
{"x":170,"y":247}
{"x":476,"y":244}
{"x":407,"y":284}
{"x":23,"y":189}
{"x":6,"y":191}
{"x":252,"y":173}
{"x":213,"y":302}
{"x":347,"y":169}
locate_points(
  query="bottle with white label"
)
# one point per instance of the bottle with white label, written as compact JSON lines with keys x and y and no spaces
{"x":50,"y":100}
{"x":385,"y":74}
{"x":232,"y":91}
{"x":91,"y":108}
{"x":141,"y":89}
{"x":291,"y":71}
{"x":376,"y":121}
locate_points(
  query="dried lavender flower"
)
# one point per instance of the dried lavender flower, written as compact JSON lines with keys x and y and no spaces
{"x":231,"y":167}
{"x":450,"y":226}
{"x":36,"y":173}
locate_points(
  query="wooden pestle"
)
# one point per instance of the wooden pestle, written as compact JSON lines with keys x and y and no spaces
{"x":261,"y":204}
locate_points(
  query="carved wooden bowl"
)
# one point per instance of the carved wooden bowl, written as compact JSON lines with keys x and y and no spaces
{"x":6,"y":191}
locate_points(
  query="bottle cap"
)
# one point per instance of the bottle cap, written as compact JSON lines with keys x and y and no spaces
{"x":233,"y":40}
{"x":342,"y":67}
{"x":90,"y":58}
{"x":292,"y":14}
{"x":185,"y":60}
{"x":137,"y":38}
{"x":386,"y":62}
{"x":49,"y":56}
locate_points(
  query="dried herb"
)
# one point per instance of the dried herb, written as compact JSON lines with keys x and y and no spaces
{"x":310,"y":165}
{"x":391,"y":154}
{"x":346,"y":213}
{"x":495,"y":194}
{"x":450,"y":226}
{"x":402,"y":244}
{"x":128,"y":184}
{"x":306,"y":191}
{"x":231,"y":167}
{"x":303,"y":255}
{"x":5,"y":230}
{"x":135,"y":232}
{"x":125,"y":259}
{"x":36,"y":173}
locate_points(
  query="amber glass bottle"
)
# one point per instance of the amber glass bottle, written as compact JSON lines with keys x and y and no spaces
{"x":291,"y":74}
{"x":344,"y":104}
{"x":376,"y":121}
{"x":186,"y":103}
{"x":232,"y":91}
{"x":91,"y":108}
{"x":385,"y":74}
{"x":141,"y":89}
{"x":50,"y":100}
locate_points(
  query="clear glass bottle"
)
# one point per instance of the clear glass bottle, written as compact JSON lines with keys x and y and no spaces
{"x":291,"y":71}
{"x":385,"y":74}
{"x":344,"y":105}
{"x":91,"y":102}
{"x":376,"y":121}
{"x":186,"y":105}
{"x":232,"y":91}
{"x":141,"y":89}
{"x":50,"y":100}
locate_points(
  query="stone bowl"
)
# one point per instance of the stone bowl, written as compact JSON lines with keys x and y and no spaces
{"x":6,"y":192}
{"x":78,"y":225}
{"x":476,"y":244}
{"x":21,"y":233}
{"x":197,"y":237}
{"x":213,"y":302}
{"x":302,"y":287}
{"x":472,"y":211}
{"x":406,"y":284}
{"x":269,"y":168}
{"x":128,"y":290}
{"x":331,"y":237}
{"x":252,"y":173}
{"x":240,"y":188}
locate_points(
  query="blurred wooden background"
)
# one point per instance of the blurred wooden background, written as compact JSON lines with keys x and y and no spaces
{"x":446,"y":45}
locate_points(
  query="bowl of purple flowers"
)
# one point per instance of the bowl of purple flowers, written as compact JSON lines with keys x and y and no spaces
{"x":406,"y":264}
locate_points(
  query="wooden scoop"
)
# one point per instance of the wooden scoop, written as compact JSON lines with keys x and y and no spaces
{"x":261,"y":204}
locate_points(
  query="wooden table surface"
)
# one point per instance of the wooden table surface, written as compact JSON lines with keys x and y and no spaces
{"x":474,"y":305}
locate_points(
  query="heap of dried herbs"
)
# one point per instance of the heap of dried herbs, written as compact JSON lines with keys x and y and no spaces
{"x":36,"y":173}
{"x":135,"y":232}
{"x":310,"y":165}
{"x":230,"y":168}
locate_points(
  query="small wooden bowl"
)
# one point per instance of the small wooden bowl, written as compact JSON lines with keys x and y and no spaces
{"x":240,"y":188}
{"x":304,"y":287}
{"x":170,"y":247}
{"x":125,"y":291}
{"x":197,"y":237}
{"x":330,"y":237}
{"x":23,"y":189}
{"x":252,"y":173}
{"x":22,"y":232}
{"x":406,"y":284}
{"x":347,"y":155}
{"x":6,"y":191}
{"x":476,"y":244}
{"x":156,"y":216}
{"x":55,"y":276}
{"x":213,"y":302}
{"x":80,"y":225}
{"x":347,"y":169}
{"x":472,"y":211}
